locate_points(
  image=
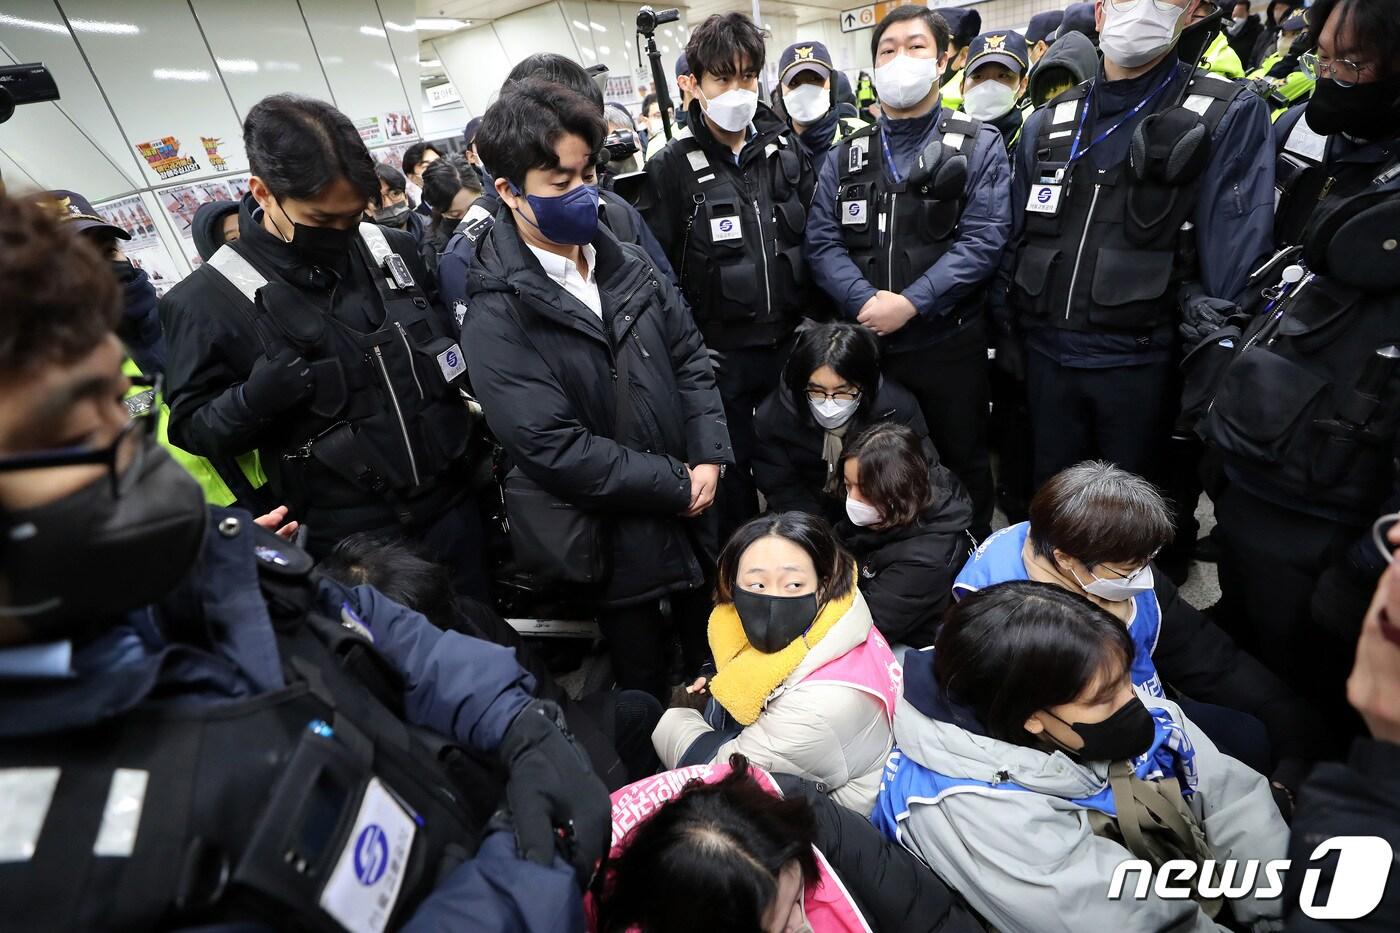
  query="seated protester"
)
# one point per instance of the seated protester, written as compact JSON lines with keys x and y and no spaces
{"x":594,"y":379}
{"x":1027,"y":770}
{"x":831,"y":389}
{"x":1093,"y":530}
{"x":613,"y":727}
{"x":394,"y":209}
{"x":996,"y":81}
{"x":774,"y":854}
{"x":1071,"y":61}
{"x":620,"y":217}
{"x":805,"y":683}
{"x":449,"y":194}
{"x":215,"y":223}
{"x":906,"y":523}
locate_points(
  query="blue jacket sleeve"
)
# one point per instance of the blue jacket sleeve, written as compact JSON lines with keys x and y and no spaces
{"x":1235,"y":208}
{"x":453,"y":265}
{"x":983,"y":230}
{"x":499,"y":892}
{"x":831,"y":265}
{"x":455,"y":685}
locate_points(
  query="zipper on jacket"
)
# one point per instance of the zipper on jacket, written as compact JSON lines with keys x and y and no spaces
{"x":889,"y":240}
{"x":398,"y":412}
{"x":1079,"y":256}
{"x":412,"y":366}
{"x":763,"y":251}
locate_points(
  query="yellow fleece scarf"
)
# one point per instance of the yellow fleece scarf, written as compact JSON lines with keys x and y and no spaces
{"x":746,"y":676}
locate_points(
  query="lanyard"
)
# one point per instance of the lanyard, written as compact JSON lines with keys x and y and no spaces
{"x":1075,"y":152}
{"x":889,"y":158}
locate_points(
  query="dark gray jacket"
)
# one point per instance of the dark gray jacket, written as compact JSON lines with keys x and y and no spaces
{"x":541,"y":364}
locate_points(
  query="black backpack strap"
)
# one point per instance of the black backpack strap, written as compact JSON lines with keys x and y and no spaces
{"x":959,"y":131}
{"x":1210,"y":95}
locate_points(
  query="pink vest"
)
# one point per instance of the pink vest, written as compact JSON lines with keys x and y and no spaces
{"x":829,"y":906}
{"x":870,"y":668}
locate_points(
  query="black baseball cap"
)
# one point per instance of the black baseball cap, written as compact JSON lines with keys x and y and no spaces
{"x":469,"y":133}
{"x":1006,"y":47}
{"x":1079,"y":17}
{"x":75,"y":209}
{"x":1294,"y":23}
{"x":682,"y":66}
{"x":804,"y":56}
{"x":1043,"y":25}
{"x":964,"y":23}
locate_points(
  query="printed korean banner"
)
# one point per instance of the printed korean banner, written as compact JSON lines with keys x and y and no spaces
{"x":145,"y":249}
{"x":165,"y":159}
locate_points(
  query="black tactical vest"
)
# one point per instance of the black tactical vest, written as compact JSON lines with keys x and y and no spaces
{"x":309,"y":808}
{"x":388,"y":414}
{"x":741,"y":265}
{"x":1095,"y":266}
{"x":894,"y":231}
{"x":1307,"y":412}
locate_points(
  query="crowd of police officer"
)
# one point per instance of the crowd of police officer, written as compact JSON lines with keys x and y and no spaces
{"x":1184,"y":270}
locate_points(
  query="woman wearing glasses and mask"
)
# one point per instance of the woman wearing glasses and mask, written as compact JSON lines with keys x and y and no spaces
{"x":1027,"y":770}
{"x":831,"y":390}
{"x":1094,"y":529}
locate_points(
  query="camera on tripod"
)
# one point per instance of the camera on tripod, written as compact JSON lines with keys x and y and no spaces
{"x":648,"y":19}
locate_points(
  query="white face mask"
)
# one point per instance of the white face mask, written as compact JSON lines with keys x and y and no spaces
{"x":1285,"y":42}
{"x":904,"y":80}
{"x":833,"y":412}
{"x":1120,"y":590}
{"x":989,"y":100}
{"x":807,"y":103}
{"x":1144,"y":30}
{"x":733,"y":110}
{"x":654,"y":126}
{"x":860,"y":513}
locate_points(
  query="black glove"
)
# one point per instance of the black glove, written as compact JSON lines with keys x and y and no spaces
{"x":1011,"y":356}
{"x":556,"y":801}
{"x":1341,"y":598}
{"x":277,"y":384}
{"x":1202,"y":316}
{"x":1287,"y":778}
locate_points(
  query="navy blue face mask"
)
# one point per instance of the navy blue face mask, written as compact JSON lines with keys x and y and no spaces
{"x":569,"y":219}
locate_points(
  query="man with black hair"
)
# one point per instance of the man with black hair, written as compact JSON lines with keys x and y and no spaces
{"x":728,"y":201}
{"x":469,"y":151}
{"x":394,"y":209}
{"x":595,"y":381}
{"x":617,"y":214}
{"x":1306,"y":420}
{"x":311,"y":339}
{"x":908,"y":224}
{"x":415,"y":158}
{"x":197,"y":729}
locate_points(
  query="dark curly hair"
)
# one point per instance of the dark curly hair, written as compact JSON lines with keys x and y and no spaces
{"x":58,"y":297}
{"x":709,"y":859}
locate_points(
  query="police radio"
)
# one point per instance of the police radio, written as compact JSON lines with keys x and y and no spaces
{"x":397,"y":271}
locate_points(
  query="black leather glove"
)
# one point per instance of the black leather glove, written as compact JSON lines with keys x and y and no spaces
{"x":1287,"y":778}
{"x":556,"y":801}
{"x":277,"y":384}
{"x":1202,"y":316}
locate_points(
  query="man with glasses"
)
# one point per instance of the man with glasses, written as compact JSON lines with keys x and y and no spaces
{"x":196,"y":729}
{"x":1305,"y":417}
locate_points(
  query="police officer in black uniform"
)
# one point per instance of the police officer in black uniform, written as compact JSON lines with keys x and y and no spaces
{"x":1306,"y":414}
{"x":907,"y":227}
{"x":728,"y":202}
{"x":195,"y":729}
{"x":312,"y":340}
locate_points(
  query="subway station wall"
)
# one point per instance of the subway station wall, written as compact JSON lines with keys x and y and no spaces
{"x":154,"y":93}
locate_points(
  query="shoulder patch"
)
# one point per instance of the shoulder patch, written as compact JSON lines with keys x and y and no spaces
{"x":277,"y":557}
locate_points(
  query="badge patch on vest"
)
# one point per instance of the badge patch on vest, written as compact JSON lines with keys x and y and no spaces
{"x":451,"y":363}
{"x":1044,"y":199}
{"x":27,"y":793}
{"x":365,"y":884}
{"x":725,"y":228}
{"x":1066,"y":111}
{"x":698,"y":160}
{"x":853,"y":212}
{"x":858,"y":154}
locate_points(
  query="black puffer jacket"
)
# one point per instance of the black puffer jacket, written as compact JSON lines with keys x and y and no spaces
{"x":907,"y":573}
{"x":896,"y":892}
{"x":787,"y":464}
{"x":540,"y":363}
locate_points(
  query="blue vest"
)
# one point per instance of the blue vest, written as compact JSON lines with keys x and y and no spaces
{"x":906,"y":783}
{"x":998,"y":560}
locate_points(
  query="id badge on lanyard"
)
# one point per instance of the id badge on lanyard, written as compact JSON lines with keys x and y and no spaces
{"x":1049,"y":189}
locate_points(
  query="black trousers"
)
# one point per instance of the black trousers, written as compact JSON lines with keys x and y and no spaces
{"x":640,"y":638}
{"x":1121,"y":414}
{"x":744,"y":377}
{"x":1011,"y":442}
{"x":949,"y":379}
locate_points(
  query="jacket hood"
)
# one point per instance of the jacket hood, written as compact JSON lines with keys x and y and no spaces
{"x":1072,"y":54}
{"x":947,"y":738}
{"x":205,"y":226}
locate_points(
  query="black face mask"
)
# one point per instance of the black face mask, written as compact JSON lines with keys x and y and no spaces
{"x":771,"y":623}
{"x":91,"y":555}
{"x":1124,"y":735}
{"x":320,"y":246}
{"x":1365,"y":111}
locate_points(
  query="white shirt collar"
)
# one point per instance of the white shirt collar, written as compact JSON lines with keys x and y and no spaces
{"x":564,"y":273}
